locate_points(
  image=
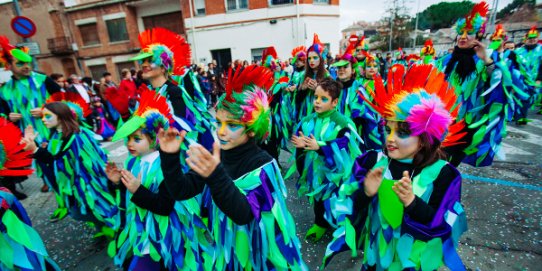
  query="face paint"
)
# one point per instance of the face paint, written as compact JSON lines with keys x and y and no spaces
{"x":399,"y":143}
{"x":314,"y":60}
{"x":50,"y":119}
{"x":344,"y":72}
{"x":323,"y":101}
{"x":139,"y":144}
{"x":231,"y":133}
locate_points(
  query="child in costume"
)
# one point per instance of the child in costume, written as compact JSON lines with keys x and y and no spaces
{"x":77,"y":161}
{"x":248,"y":218}
{"x":315,"y":71}
{"x":399,"y":58}
{"x":21,"y":245}
{"x":530,"y":62}
{"x":158,"y":232}
{"x":326,"y":145}
{"x":480,"y":91}
{"x":352,"y":106}
{"x":411,"y":196}
{"x":101,"y":124}
{"x":361,"y":48}
{"x":163,"y":55}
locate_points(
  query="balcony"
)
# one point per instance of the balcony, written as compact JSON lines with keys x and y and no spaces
{"x":60,"y":46}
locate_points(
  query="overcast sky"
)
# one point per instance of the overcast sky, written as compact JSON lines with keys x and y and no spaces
{"x":373,"y":10}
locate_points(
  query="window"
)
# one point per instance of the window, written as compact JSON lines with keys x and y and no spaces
{"x":280,"y":2}
{"x":124,"y":65}
{"x":89,"y":34}
{"x":171,"y":21}
{"x":237,"y":4}
{"x":321,"y":1}
{"x":256,"y":54}
{"x":117,"y":30}
{"x":199,"y":5}
{"x":97,"y":71}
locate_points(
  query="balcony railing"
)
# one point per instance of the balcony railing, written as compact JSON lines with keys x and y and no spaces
{"x":60,"y":45}
{"x":281,"y":2}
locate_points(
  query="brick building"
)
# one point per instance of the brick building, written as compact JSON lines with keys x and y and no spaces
{"x":241,"y":29}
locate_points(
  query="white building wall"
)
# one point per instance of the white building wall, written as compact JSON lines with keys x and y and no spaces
{"x":255,"y":30}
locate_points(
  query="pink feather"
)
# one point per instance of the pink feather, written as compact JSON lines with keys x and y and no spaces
{"x":429,"y":117}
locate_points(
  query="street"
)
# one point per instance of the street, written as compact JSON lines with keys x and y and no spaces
{"x":502,"y":202}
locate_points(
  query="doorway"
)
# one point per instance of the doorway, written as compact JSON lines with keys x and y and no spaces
{"x":222,"y":57}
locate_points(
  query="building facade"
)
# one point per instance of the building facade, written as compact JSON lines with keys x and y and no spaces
{"x":227,"y":30}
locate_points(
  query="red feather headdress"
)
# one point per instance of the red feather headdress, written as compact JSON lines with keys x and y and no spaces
{"x":166,"y":46}
{"x":14,"y":161}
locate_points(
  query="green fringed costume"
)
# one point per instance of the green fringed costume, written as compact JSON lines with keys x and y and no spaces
{"x":80,"y":182}
{"x":20,"y":244}
{"x":322,"y":172}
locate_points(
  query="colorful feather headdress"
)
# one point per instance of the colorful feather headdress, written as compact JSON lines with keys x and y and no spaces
{"x":152,"y":114}
{"x":166,"y":49}
{"x":422,"y":98}
{"x":533,"y":33}
{"x":428,"y":52}
{"x":246,"y":99}
{"x":475,"y":21}
{"x":74,"y":101}
{"x":318,"y":47}
{"x":498,"y":37}
{"x":300,"y":53}
{"x":9,"y":51}
{"x":347,"y":57}
{"x":269,"y":58}
{"x":359,"y":42}
{"x":14,"y":161}
{"x":370,"y":59}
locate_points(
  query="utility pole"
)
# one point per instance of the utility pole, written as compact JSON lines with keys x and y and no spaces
{"x":18,"y":13}
{"x":416,"y":27}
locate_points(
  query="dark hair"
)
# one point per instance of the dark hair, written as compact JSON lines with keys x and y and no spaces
{"x":66,"y":118}
{"x":56,"y":76}
{"x":332,"y":87}
{"x":87,"y":80}
{"x":321,"y":70}
{"x":428,"y":153}
{"x":106,"y":74}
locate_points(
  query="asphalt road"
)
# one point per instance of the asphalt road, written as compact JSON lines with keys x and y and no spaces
{"x":502,"y":202}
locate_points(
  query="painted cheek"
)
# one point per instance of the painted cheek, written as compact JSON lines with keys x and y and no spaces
{"x":325,"y":100}
{"x":221,"y":128}
{"x":404,"y":143}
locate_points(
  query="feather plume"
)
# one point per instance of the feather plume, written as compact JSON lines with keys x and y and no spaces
{"x":251,"y":75}
{"x":76,"y":103}
{"x":159,"y":41}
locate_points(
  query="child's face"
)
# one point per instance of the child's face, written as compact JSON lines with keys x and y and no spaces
{"x":371,"y":69}
{"x":231,"y":133}
{"x":50,"y":119}
{"x":323,"y":101}
{"x":399,"y":143}
{"x":139,"y":144}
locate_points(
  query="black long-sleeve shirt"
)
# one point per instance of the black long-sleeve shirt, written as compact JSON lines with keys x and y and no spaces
{"x":235,"y":163}
{"x":160,"y":203}
{"x":418,"y":210}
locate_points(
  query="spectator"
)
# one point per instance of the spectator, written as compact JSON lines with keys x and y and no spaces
{"x":78,"y":87}
{"x":60,"y":80}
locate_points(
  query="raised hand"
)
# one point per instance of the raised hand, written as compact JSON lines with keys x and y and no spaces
{"x":36,"y":112}
{"x":113,"y":172}
{"x":170,"y":141}
{"x":202,"y":161}
{"x":29,"y":139}
{"x":403,"y":189}
{"x":130,"y":181}
{"x":372,"y":182}
{"x":480,"y":50}
{"x":15,"y":117}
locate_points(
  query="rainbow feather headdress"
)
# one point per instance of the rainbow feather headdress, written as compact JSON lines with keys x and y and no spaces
{"x":6,"y":49}
{"x":318,"y":47}
{"x":428,"y":52}
{"x":166,"y":49}
{"x":75,"y":102}
{"x":246,"y":99}
{"x":300,"y":53}
{"x":475,"y":21}
{"x":152,"y":114}
{"x":422,"y":98}
{"x":533,"y":33}
{"x":347,"y":57}
{"x":359,"y":42}
{"x":498,"y":37}
{"x":14,"y":161}
{"x":269,"y":58}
